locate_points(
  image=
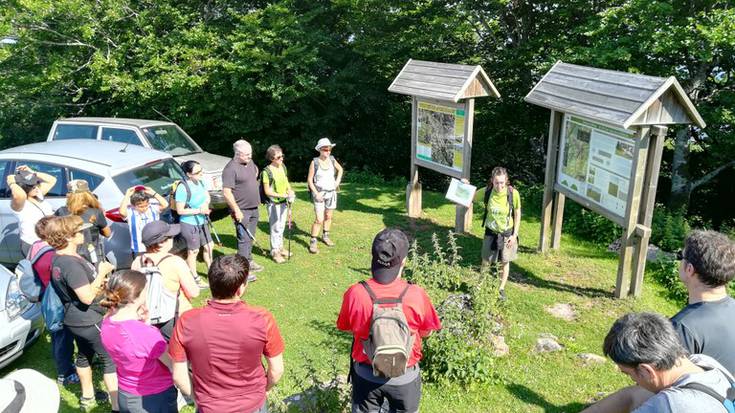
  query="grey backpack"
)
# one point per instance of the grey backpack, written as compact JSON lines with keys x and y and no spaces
{"x":163,"y":305}
{"x":390,"y":341}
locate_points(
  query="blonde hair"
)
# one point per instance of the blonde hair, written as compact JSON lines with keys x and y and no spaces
{"x":60,"y":229}
{"x":79,"y":202}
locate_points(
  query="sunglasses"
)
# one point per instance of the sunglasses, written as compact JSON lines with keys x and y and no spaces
{"x":279,"y":157}
{"x":326,"y":149}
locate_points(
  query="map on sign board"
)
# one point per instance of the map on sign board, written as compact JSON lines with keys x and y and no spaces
{"x":596,"y":161}
{"x":440,"y":134}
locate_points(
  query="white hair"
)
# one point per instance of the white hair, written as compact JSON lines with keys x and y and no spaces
{"x":241,"y":144}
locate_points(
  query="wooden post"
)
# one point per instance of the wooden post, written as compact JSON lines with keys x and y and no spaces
{"x":557,"y":220}
{"x":463,"y":215}
{"x":413,"y":189}
{"x":648,"y":203}
{"x":635,"y":188}
{"x":551,"y":161}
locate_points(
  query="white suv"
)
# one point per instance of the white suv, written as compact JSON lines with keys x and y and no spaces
{"x":154,"y":134}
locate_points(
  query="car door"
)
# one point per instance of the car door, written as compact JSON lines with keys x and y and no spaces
{"x":120,"y":134}
{"x":56,"y":197}
{"x":6,"y":217}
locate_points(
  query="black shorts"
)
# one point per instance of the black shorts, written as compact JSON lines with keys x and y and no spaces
{"x":89,"y":343}
{"x":163,"y":402}
{"x":368,"y":397}
{"x":195,"y":236}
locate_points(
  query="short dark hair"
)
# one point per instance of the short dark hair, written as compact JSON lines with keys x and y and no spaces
{"x":226,"y":274}
{"x":189,"y":165}
{"x":712,"y":255}
{"x":138,"y":197}
{"x":649,"y":338}
{"x":270,"y":153}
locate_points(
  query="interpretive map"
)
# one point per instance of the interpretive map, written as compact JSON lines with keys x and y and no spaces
{"x":440,"y":134}
{"x":595,"y":162}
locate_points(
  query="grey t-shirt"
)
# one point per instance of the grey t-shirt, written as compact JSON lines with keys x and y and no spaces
{"x":242,"y":179}
{"x":677,"y":400}
{"x":706,"y":328}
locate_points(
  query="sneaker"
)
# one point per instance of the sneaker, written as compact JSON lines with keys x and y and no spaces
{"x":88,"y":403}
{"x":255,"y":267}
{"x":278,"y":258}
{"x":70,"y":379}
{"x":502,"y":296}
{"x":313,"y":248}
{"x":252,"y":277}
{"x":328,"y":241}
{"x":201,"y":283}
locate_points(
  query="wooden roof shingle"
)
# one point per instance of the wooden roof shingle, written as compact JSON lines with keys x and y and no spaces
{"x":442,"y":81}
{"x":618,"y":98}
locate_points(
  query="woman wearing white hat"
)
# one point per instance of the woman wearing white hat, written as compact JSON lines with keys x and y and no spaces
{"x":325,"y":174}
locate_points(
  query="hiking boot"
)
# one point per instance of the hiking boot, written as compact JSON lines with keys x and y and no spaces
{"x":89,"y":403}
{"x":277,"y":257}
{"x":252,"y":277}
{"x":328,"y":241}
{"x":313,"y":248}
{"x":255,"y":267}
{"x":501,"y":295}
{"x":70,"y":379}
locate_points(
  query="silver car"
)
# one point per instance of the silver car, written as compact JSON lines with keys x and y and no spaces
{"x":109,"y":168}
{"x":155,"y":134}
{"x":20,"y":321}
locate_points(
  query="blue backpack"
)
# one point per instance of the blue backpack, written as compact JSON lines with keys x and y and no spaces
{"x":52,"y":308}
{"x":28,"y":281}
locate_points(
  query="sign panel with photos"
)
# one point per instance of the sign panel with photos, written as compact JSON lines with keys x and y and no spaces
{"x":441,"y":136}
{"x":595,"y":162}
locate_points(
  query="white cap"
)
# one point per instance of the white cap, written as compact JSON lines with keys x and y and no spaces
{"x":28,"y":391}
{"x":324,"y":142}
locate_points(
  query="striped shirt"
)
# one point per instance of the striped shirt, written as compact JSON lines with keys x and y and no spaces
{"x":136,"y":222}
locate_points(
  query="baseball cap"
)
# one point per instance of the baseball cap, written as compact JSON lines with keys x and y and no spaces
{"x":77,"y":185}
{"x":28,"y":391}
{"x":390,"y":247}
{"x":27,"y":178}
{"x":324,"y":142}
{"x":156,"y":232}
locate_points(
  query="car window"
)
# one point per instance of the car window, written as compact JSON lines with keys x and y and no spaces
{"x":93,"y":180}
{"x":75,"y":132}
{"x":3,"y":186}
{"x":55,"y":170}
{"x":171,"y":139}
{"x":120,"y":135}
{"x":158,"y":175}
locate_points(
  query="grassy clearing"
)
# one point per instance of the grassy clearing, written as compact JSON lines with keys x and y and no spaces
{"x":305,"y":293}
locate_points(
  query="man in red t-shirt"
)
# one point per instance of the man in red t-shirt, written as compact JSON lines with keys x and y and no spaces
{"x":369,"y":391}
{"x":225,"y":342}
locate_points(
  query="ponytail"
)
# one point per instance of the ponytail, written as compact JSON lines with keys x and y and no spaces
{"x":123,"y":287}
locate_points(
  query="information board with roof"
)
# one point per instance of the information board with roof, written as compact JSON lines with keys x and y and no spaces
{"x":606,"y":136}
{"x":442,"y":102}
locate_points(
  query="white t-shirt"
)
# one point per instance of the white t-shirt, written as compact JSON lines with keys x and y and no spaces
{"x":677,"y":400}
{"x":28,"y":216}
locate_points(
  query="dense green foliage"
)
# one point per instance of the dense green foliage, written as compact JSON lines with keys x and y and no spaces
{"x":290,"y":71}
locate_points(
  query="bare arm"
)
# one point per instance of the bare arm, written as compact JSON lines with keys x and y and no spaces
{"x":275,"y":370}
{"x":87,"y":293}
{"x":230,"y":199}
{"x":48,"y":182}
{"x":310,"y":178}
{"x":340,"y":172}
{"x":123,"y":209}
{"x":17,"y":194}
{"x":623,"y":400}
{"x":181,"y":377}
{"x":186,"y":280}
{"x":183,"y":210}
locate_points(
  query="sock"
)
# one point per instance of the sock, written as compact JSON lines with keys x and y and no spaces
{"x":326,"y":234}
{"x":313,"y":239}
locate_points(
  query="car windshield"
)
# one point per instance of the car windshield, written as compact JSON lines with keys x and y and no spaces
{"x":158,"y":175}
{"x":171,"y":139}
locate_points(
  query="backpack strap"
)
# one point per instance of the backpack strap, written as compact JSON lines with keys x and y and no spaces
{"x":704,"y":389}
{"x":488,"y":191}
{"x":377,"y":301}
{"x":40,"y":253}
{"x":511,"y":210}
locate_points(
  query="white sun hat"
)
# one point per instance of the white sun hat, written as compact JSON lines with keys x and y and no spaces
{"x":324,"y":142}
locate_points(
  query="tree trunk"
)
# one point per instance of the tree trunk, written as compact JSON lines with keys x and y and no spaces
{"x":681,"y":187}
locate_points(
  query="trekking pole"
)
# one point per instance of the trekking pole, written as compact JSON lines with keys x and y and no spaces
{"x":214,"y":231}
{"x":290,"y":232}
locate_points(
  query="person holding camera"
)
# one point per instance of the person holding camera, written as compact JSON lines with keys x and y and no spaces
{"x":280,"y":197}
{"x":140,"y":205}
{"x":27,"y":191}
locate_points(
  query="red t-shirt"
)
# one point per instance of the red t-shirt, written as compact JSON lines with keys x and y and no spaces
{"x":357,"y":312}
{"x":224,"y":343}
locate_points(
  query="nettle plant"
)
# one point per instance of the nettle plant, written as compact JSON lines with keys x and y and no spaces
{"x":468,"y":308}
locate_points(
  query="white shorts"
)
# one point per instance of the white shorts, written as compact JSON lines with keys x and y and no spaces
{"x":329,"y":201}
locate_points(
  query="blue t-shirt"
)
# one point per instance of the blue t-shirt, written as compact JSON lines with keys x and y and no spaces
{"x":197,"y":200}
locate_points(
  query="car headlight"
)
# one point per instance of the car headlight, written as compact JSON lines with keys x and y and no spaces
{"x":15,"y":302}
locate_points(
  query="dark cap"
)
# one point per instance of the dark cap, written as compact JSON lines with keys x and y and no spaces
{"x":156,"y":232}
{"x":390,"y":247}
{"x":27,"y":178}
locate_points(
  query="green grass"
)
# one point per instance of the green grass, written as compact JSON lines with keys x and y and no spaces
{"x":305,"y":294}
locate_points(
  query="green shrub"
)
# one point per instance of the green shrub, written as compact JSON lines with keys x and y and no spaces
{"x":668,"y":229}
{"x":666,"y":272}
{"x":589,"y":225}
{"x":460,"y":351}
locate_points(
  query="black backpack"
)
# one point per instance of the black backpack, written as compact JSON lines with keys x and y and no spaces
{"x":175,"y":218}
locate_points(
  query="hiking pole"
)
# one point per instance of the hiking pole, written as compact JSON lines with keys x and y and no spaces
{"x":290,"y":232}
{"x":214,"y":231}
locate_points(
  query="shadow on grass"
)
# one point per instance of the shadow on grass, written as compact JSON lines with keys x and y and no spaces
{"x":531,"y":397}
{"x":520,"y":275}
{"x":338,"y":340}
